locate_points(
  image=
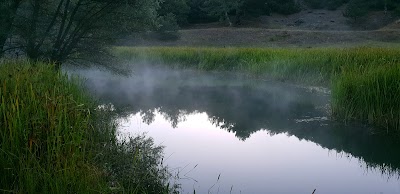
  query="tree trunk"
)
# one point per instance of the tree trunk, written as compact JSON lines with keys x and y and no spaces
{"x":3,"y":39}
{"x":385,"y":9}
{"x":31,"y":50}
{"x":227,"y":19}
{"x":237,"y":17}
{"x":6,"y":20}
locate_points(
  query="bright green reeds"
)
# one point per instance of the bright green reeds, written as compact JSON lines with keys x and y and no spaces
{"x":364,"y":79}
{"x":45,"y":123}
{"x":317,"y":65}
{"x":370,"y":95}
{"x":54,"y":139}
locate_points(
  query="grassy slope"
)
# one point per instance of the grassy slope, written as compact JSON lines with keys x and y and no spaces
{"x":365,"y":79}
{"x":54,"y":139}
{"x":261,"y":37}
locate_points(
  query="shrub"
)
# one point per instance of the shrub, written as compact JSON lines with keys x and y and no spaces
{"x":285,"y":7}
{"x":168,"y":27}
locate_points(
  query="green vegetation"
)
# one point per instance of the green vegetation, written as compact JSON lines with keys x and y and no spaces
{"x":328,"y":4}
{"x":369,"y":95}
{"x":203,"y":11}
{"x":55,"y":139}
{"x":61,"y":30}
{"x":310,"y":66}
{"x":365,"y":80}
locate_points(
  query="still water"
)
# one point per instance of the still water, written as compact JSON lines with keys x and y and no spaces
{"x":231,"y":134}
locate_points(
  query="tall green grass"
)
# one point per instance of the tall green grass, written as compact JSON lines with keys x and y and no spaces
{"x":315,"y":65}
{"x":369,"y":95}
{"x":364,"y":80}
{"x":54,"y":139}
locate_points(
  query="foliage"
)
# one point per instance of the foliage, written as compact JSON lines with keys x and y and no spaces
{"x":76,"y":29}
{"x":223,"y":8}
{"x":45,"y":125}
{"x":371,"y":95}
{"x":54,"y":139}
{"x":256,"y":7}
{"x":168,"y":27}
{"x":8,"y":9}
{"x":285,"y":7}
{"x":179,"y":8}
{"x":197,"y":14}
{"x":325,"y":4}
{"x":356,"y":9}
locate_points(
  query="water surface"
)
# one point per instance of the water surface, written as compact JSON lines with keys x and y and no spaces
{"x":227,"y":133}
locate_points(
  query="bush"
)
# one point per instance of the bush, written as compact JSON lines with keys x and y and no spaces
{"x":334,"y":4}
{"x":285,"y":7}
{"x":315,"y":4}
{"x":356,"y":9}
{"x":325,"y":4}
{"x":168,"y":27}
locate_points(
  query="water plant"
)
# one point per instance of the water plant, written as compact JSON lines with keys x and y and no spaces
{"x":369,"y":95}
{"x":314,"y":65}
{"x":54,"y":138}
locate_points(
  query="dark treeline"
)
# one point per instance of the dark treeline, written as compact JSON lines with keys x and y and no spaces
{"x":58,"y":30}
{"x":232,"y":11}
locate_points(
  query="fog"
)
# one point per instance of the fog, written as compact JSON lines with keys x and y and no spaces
{"x":240,"y":104}
{"x":146,"y":84}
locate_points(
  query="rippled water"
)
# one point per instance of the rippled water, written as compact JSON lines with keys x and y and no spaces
{"x":230,"y":134}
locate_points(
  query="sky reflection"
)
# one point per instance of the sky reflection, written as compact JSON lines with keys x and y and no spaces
{"x":199,"y":152}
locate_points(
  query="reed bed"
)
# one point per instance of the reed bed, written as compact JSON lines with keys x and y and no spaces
{"x":317,"y":65}
{"x":363,"y":79}
{"x":54,"y":139}
{"x":369,"y":95}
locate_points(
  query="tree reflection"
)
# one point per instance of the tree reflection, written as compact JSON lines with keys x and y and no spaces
{"x":246,"y":109}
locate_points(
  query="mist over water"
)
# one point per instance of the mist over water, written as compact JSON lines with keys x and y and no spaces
{"x":258,"y":136}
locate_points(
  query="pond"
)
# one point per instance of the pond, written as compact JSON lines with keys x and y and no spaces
{"x":227,"y":133}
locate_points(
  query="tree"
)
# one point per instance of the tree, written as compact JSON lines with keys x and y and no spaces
{"x":285,"y":7}
{"x":179,"y":8}
{"x":222,"y":9}
{"x":168,"y":27}
{"x":197,"y":14}
{"x":256,"y":7}
{"x":8,"y":10}
{"x":356,"y":9}
{"x":60,"y":30}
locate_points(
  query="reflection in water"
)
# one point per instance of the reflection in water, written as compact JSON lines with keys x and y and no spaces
{"x":244,"y":107}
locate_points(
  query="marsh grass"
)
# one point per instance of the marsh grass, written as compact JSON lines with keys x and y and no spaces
{"x":364,"y":80}
{"x":54,"y":139}
{"x":369,"y":95}
{"x":310,"y":66}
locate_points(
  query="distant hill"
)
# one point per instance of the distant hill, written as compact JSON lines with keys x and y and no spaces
{"x":308,"y":28}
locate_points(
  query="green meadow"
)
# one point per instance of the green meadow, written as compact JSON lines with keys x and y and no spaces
{"x":54,"y":138}
{"x":365,"y":81}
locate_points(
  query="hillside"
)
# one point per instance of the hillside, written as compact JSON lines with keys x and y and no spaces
{"x":308,"y":28}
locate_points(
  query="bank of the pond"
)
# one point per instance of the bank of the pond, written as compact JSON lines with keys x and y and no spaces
{"x":364,"y":81}
{"x":54,"y":138}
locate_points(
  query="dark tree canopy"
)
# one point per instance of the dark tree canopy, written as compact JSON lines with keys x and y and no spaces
{"x":59,"y":30}
{"x":8,"y":10}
